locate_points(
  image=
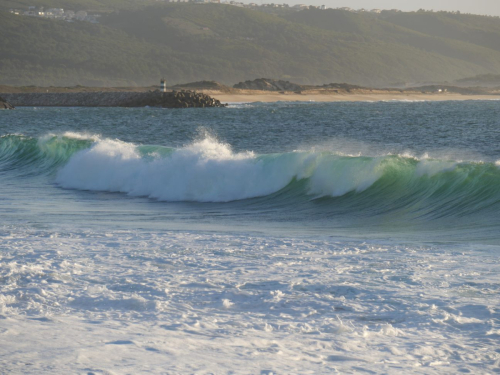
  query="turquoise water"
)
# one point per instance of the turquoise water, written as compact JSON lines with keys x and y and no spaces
{"x":414,"y":171}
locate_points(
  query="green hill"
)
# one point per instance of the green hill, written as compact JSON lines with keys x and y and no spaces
{"x":441,"y":38}
{"x":479,"y":30}
{"x":88,"y":5}
{"x":192,"y":42}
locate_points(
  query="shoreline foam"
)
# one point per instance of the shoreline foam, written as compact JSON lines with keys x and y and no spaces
{"x":156,"y":302}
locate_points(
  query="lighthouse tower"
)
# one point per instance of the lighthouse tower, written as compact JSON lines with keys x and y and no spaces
{"x":163,"y":85}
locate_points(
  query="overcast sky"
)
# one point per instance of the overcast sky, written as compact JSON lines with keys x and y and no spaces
{"x":490,"y":7}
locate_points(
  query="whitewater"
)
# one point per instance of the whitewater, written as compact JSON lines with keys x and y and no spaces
{"x":263,"y":238}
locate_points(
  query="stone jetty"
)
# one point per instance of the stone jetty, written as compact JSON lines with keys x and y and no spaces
{"x":174,"y":99}
{"x":4,"y":104}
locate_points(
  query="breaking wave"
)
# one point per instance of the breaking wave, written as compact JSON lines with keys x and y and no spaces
{"x":210,"y":171}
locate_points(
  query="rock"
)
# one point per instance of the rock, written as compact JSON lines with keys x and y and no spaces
{"x":4,"y":104}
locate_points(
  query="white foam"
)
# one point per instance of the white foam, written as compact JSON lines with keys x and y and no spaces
{"x":209,"y":171}
{"x":202,"y":171}
{"x":190,"y":302}
{"x":73,"y":135}
{"x":336,"y":179}
{"x":429,"y":168}
{"x":405,"y":101}
{"x":240,"y":104}
{"x":82,"y":136}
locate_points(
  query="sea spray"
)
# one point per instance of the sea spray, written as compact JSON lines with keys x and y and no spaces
{"x":204,"y":171}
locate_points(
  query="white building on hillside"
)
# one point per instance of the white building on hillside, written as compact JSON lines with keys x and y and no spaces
{"x":57,"y":12}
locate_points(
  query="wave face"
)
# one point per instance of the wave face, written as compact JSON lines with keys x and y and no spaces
{"x":26,"y":155}
{"x":209,"y":171}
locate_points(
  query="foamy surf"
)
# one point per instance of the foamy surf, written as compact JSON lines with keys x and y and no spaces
{"x":167,"y":301}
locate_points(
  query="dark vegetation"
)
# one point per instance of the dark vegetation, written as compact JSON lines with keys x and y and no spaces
{"x":267,"y":84}
{"x":483,"y":80}
{"x":188,"y":42}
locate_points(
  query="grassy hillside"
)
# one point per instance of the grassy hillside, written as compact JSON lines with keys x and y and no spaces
{"x":425,"y":38}
{"x":479,"y":30}
{"x":189,"y":42}
{"x":88,"y":5}
{"x":44,"y":52}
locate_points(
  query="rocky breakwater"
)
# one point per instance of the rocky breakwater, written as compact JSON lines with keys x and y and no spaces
{"x":4,"y":104}
{"x":174,"y":99}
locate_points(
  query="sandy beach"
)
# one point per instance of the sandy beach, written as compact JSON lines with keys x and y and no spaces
{"x":269,"y":97}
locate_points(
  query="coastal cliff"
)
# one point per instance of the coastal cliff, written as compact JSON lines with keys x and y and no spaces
{"x":174,"y":99}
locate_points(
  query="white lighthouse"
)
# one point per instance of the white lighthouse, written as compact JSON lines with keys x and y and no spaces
{"x":163,"y":85}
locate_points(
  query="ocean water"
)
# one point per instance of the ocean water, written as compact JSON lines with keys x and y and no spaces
{"x":259,"y":238}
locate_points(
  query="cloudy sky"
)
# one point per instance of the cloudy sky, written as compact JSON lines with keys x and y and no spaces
{"x":491,"y":7}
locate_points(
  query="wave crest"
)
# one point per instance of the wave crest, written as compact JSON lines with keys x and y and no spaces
{"x":205,"y":171}
{"x":210,"y":171}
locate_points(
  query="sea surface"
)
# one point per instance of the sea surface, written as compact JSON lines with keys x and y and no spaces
{"x":255,"y":239}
